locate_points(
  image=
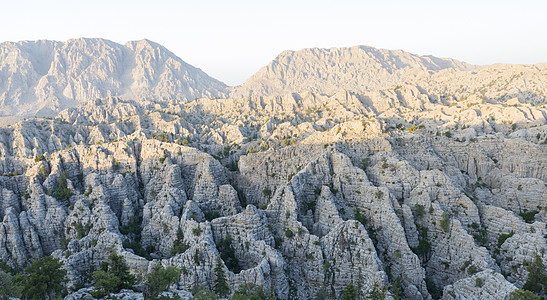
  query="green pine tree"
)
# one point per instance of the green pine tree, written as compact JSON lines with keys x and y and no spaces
{"x":9,"y":287}
{"x":520,"y":294}
{"x":159,"y":280}
{"x":349,"y":293}
{"x":112,"y":276}
{"x":43,"y":279}
{"x":537,"y":277}
{"x":221,"y":286}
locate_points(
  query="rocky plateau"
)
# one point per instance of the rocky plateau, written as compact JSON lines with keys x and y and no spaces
{"x":405,"y":176}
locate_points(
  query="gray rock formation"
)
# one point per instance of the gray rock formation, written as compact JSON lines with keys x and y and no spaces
{"x":400,"y":192}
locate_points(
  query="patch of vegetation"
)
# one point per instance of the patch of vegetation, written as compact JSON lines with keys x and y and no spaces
{"x":9,"y":286}
{"x":81,"y":230}
{"x":133,"y":226}
{"x":309,"y":206}
{"x":221,"y":287}
{"x":378,"y":292}
{"x":115,"y":165}
{"x":520,"y":294}
{"x":233,"y":166}
{"x":503,"y":237}
{"x":364,"y":163}
{"x":39,"y":158}
{"x":252,"y":292}
{"x":466,"y":264}
{"x":211,"y":215}
{"x":384,"y":163}
{"x":359,"y":217}
{"x":196,"y":257}
{"x":44,"y":278}
{"x":472,"y":270}
{"x":529,"y":216}
{"x":424,"y":246}
{"x":133,"y":241}
{"x":205,"y":294}
{"x":433,"y":290}
{"x":159,"y":280}
{"x":227,"y":253}
{"x":289,"y":233}
{"x":537,"y":277}
{"x":112,"y":276}
{"x":349,"y":293}
{"x":137,"y":248}
{"x":445,"y":222}
{"x":62,"y":192}
{"x":196,"y":231}
{"x":161,"y":137}
{"x":179,"y":246}
{"x":480,"y":235}
{"x":419,"y":210}
{"x":88,"y":190}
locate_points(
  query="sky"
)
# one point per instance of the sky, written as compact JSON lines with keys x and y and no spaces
{"x":231,"y":40}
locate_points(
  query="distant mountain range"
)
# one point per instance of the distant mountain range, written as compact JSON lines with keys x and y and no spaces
{"x":44,"y":77}
{"x":357,"y":69}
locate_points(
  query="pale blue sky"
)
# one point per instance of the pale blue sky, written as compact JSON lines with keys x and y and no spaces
{"x":231,"y":40}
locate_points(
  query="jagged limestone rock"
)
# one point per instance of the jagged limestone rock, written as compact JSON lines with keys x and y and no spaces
{"x":400,"y":190}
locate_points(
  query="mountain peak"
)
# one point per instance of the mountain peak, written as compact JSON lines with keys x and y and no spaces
{"x":143,"y":43}
{"x":50,"y":76}
{"x":357,"y":68}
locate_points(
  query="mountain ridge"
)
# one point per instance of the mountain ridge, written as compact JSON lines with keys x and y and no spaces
{"x":326,"y":70}
{"x":43,"y":77}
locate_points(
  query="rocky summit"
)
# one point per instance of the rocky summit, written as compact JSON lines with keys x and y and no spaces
{"x":44,"y":77}
{"x":332,"y":173}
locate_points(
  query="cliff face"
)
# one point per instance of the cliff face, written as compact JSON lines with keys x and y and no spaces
{"x":44,"y":77}
{"x":400,"y":192}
